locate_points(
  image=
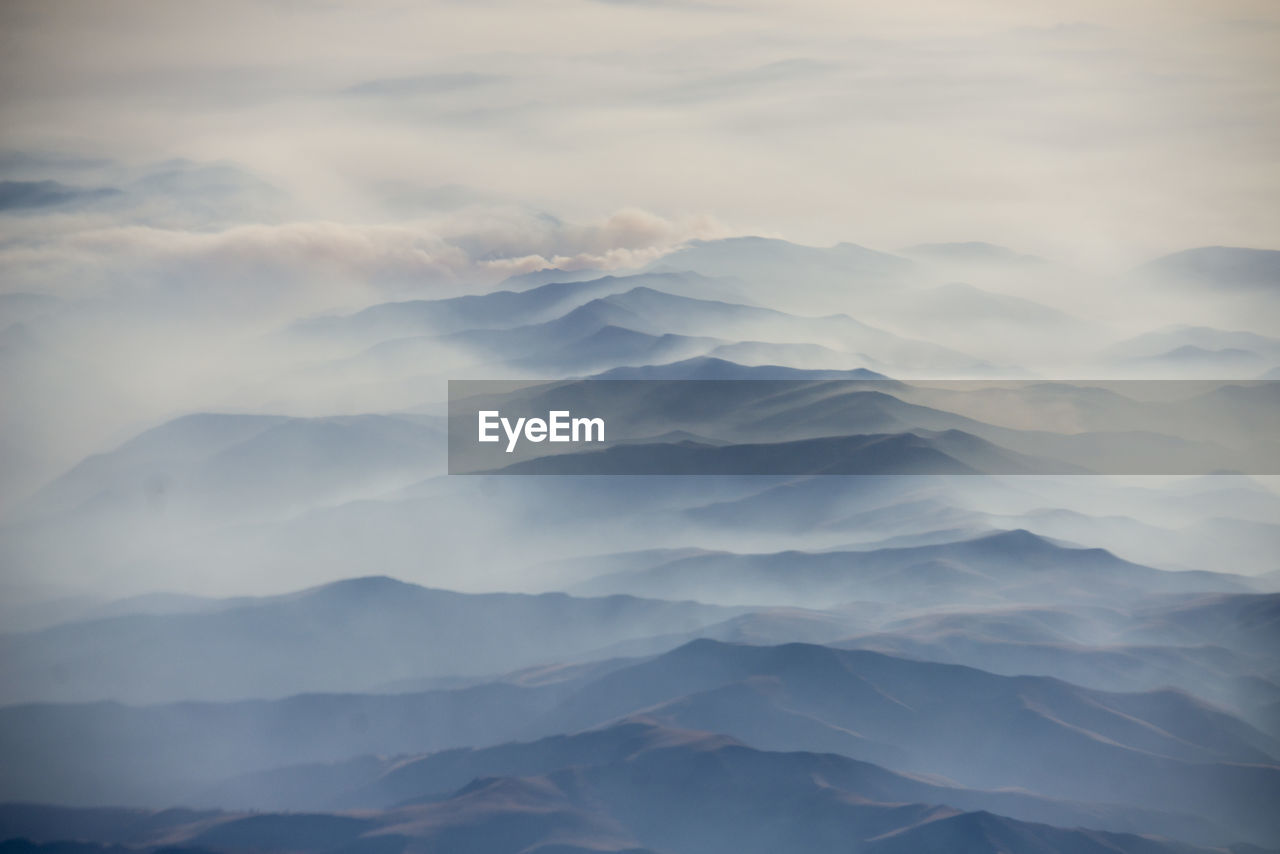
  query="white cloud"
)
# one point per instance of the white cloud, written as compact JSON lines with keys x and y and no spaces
{"x":309,"y":266}
{"x":1126,"y":128}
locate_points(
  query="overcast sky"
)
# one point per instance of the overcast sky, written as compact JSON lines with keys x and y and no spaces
{"x":1099,"y":133}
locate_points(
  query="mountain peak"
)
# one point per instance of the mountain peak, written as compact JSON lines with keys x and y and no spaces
{"x":360,"y":587}
{"x":1019,"y":539}
{"x":367,"y":582}
{"x":1224,"y":266}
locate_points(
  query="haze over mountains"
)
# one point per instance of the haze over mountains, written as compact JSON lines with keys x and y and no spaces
{"x":275,"y":611}
{"x":927,"y":354}
{"x":1180,"y":758}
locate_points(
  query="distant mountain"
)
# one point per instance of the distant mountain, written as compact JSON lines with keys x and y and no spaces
{"x":795,"y":355}
{"x":347,"y":636}
{"x":1246,"y":622}
{"x":1237,"y":546}
{"x":759,"y":258}
{"x":1013,"y":566}
{"x":35,"y":195}
{"x":1219,"y":267}
{"x":922,"y":452}
{"x":502,"y":309}
{"x":1188,"y":341}
{"x":106,"y":753}
{"x":637,"y":744}
{"x":681,"y":792}
{"x":707,"y":368}
{"x":586,"y":327}
{"x":581,"y":340}
{"x":1227,"y":355}
{"x":656,"y":312}
{"x":806,"y":505}
{"x":974,"y":252}
{"x":983,"y":832}
{"x":1209,"y":427}
{"x":1190,"y":362}
{"x":792,"y":277}
{"x":215,"y":192}
{"x":875,"y":659}
{"x":520,"y":352}
{"x":1162,"y":750}
{"x":971,"y":306}
{"x":987,"y":641}
{"x":1155,"y":751}
{"x":214,"y":466}
{"x":551,"y":275}
{"x":616,"y":345}
{"x":1003,"y":307}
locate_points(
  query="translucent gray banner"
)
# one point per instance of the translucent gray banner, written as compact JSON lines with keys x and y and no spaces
{"x":863,"y":426}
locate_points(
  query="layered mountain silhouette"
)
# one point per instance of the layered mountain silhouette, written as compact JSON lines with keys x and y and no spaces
{"x":638,"y":750}
{"x":710,"y":368}
{"x":950,"y":452}
{"x":1012,"y":566}
{"x":542,"y":328}
{"x":216,"y":466}
{"x":633,"y":806}
{"x":890,"y":615}
{"x":346,"y":636}
{"x":1216,"y":267}
{"x":1157,"y":751}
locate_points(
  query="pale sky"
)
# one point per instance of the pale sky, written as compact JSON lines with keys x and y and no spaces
{"x":1098,"y":133}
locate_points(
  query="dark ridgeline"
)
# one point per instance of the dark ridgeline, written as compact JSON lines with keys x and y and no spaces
{"x":777,"y":662}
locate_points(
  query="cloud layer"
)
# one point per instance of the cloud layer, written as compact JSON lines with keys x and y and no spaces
{"x":1115,"y":131}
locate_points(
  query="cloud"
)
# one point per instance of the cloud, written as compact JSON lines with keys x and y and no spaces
{"x":313,"y":265}
{"x":1094,"y":126}
{"x":216,"y":238}
{"x":692,"y":5}
{"x":424,"y":84}
{"x":746,"y":82}
{"x":24,"y":164}
{"x":499,"y":234}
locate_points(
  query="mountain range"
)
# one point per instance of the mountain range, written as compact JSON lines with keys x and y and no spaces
{"x":973,"y":561}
